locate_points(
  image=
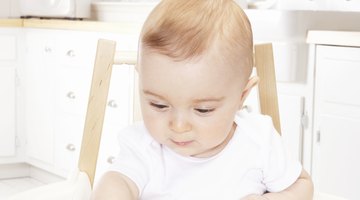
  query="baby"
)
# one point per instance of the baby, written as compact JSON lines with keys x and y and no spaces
{"x":194,"y":65}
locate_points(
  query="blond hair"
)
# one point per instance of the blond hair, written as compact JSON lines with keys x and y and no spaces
{"x":184,"y":29}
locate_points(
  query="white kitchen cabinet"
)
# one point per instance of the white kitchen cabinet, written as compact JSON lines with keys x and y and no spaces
{"x":74,"y":64}
{"x":336,"y":162}
{"x":61,"y":66}
{"x":8,"y":58}
{"x":39,"y":96}
{"x":7,"y":114}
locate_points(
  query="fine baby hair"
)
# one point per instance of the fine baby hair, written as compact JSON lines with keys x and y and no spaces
{"x":188,"y":29}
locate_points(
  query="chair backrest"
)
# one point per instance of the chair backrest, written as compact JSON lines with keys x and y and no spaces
{"x":96,"y":107}
{"x":265,"y":69}
{"x":106,"y":57}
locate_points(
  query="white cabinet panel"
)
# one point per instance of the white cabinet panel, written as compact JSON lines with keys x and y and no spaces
{"x":59,"y":72}
{"x":119,"y":107}
{"x":339,"y":69}
{"x":291,"y":113}
{"x":7,"y":47}
{"x":11,"y":56}
{"x":75,"y":49}
{"x":68,"y":132}
{"x":39,"y":93}
{"x":338,"y":159}
{"x":7,"y":111}
{"x":72,"y":88}
{"x":336,"y":121}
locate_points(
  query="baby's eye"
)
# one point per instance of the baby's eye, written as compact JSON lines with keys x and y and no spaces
{"x":204,"y":110}
{"x":159,"y":106}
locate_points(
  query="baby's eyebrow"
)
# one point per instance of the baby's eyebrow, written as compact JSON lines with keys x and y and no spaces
{"x":147,"y":92}
{"x":210,"y":99}
{"x":196,"y":101}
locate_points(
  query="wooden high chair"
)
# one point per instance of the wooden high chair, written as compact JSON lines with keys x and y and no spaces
{"x":267,"y":92}
{"x":79,"y":185}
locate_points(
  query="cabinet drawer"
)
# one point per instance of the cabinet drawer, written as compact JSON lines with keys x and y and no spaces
{"x":76,"y":49}
{"x":72,"y":88}
{"x":68,"y":133}
{"x":120,"y":100}
{"x":109,"y":148}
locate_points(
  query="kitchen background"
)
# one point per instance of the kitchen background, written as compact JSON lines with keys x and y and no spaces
{"x":45,"y":74}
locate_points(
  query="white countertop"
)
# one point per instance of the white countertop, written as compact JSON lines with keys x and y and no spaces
{"x":338,"y":38}
{"x":100,"y":26}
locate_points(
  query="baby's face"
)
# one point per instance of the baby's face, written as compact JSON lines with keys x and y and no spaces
{"x":189,"y":106}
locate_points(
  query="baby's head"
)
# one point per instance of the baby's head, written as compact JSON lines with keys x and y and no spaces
{"x":195,"y":60}
{"x":193,"y":29}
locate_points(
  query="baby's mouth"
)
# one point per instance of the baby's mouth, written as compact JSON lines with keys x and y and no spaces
{"x":182,"y":143}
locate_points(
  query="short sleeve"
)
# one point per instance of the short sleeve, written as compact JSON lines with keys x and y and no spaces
{"x":280,"y":171}
{"x":132,"y":159}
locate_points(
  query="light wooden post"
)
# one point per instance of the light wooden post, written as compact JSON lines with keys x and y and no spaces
{"x":96,"y":107}
{"x":264,"y":63}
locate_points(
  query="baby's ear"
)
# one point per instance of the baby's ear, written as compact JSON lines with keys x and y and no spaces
{"x":252,"y":82}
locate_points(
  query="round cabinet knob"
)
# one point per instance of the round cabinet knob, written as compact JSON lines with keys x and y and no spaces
{"x":70,"y":53}
{"x":48,"y":50}
{"x":70,"y":147}
{"x":112,"y":104}
{"x":71,"y":95}
{"x":111,"y":159}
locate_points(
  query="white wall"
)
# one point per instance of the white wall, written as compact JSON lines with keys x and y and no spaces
{"x":9,"y":9}
{"x":4,"y":8}
{"x":289,"y":30}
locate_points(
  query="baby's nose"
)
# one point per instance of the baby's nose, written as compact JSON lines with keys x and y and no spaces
{"x":179,"y":123}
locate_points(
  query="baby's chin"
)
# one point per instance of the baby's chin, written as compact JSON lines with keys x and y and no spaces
{"x":191,"y":153}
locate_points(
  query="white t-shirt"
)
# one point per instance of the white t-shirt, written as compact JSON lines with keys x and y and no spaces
{"x":254,"y":161}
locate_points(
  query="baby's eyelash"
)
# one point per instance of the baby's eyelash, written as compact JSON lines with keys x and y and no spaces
{"x":204,"y":111}
{"x":158,"y":106}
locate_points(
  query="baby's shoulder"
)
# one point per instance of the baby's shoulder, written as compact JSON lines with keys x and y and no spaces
{"x":257,"y":127}
{"x":135,"y":134}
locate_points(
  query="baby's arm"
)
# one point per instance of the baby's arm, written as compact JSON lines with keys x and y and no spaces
{"x":115,"y":186}
{"x":302,"y":189}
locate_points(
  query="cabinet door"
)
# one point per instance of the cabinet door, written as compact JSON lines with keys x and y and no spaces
{"x":7,"y":111}
{"x":336,"y":161}
{"x":39,"y":109}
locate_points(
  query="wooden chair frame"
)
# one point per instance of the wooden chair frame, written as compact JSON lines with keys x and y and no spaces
{"x":106,"y":57}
